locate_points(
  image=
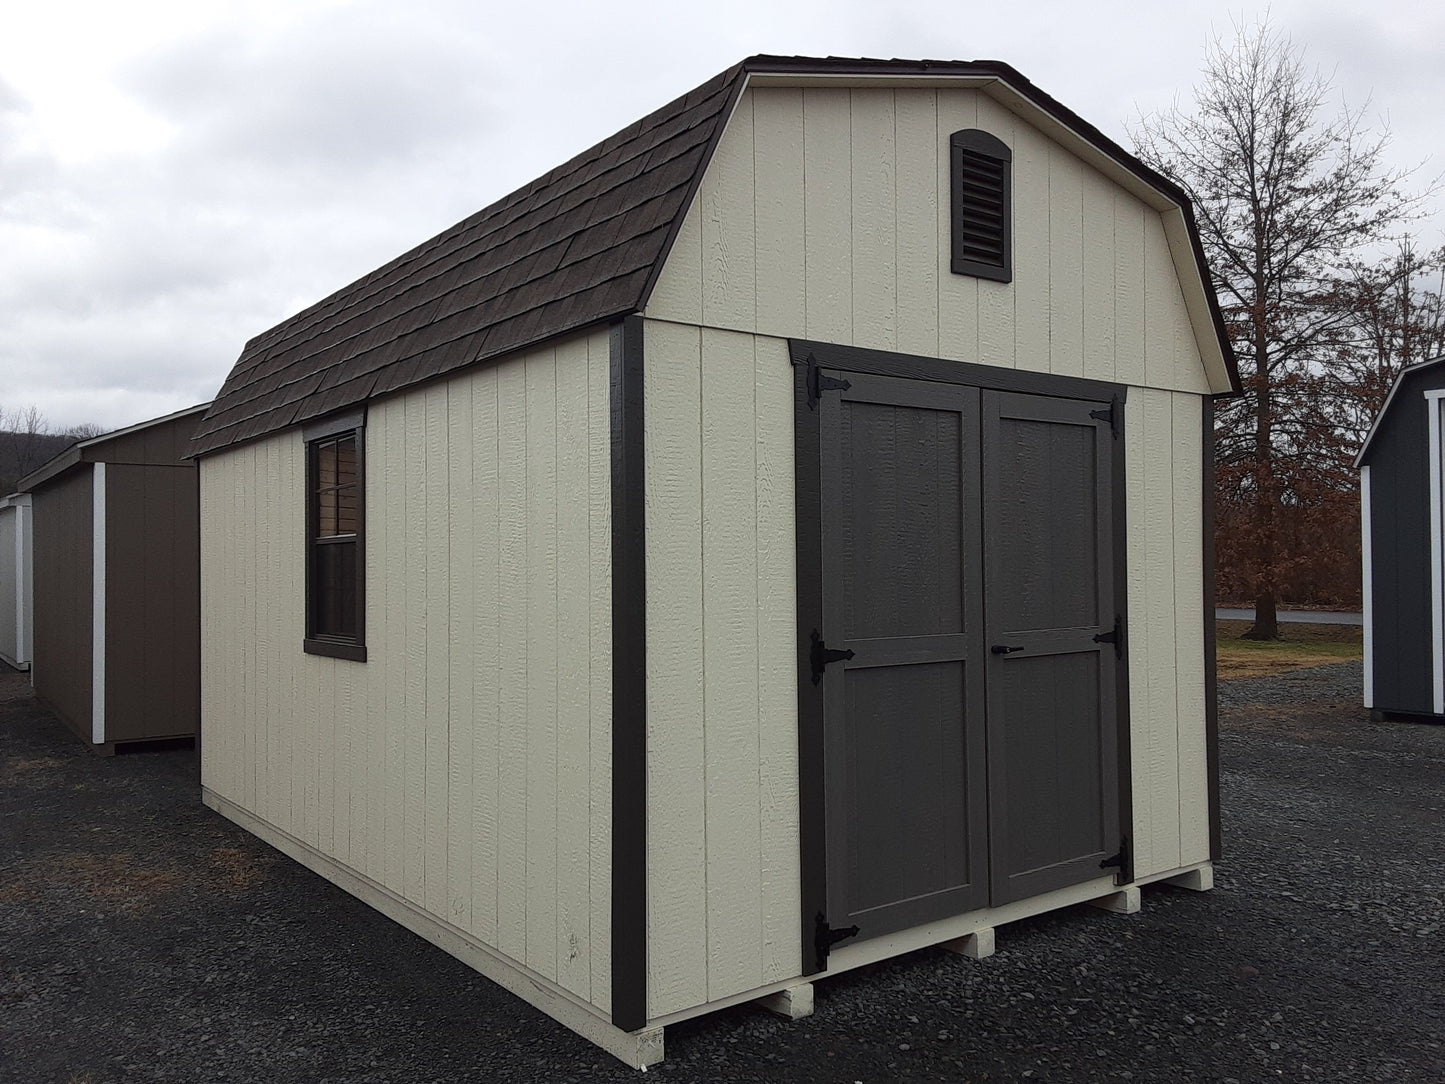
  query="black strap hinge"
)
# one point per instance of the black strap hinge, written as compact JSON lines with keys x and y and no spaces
{"x":823,"y":655}
{"x":1117,"y":861}
{"x":818,"y":382}
{"x":1111,"y":414}
{"x":825,"y":937}
{"x":1114,"y":636}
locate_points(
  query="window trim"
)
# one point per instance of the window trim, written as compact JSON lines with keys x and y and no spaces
{"x":981,"y":144}
{"x":336,"y":647}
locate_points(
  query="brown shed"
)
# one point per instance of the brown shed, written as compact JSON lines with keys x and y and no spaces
{"x":117,"y":583}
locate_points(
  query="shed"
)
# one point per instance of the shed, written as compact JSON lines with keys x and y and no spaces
{"x":1402,"y":492}
{"x":15,"y":586}
{"x":117,"y":583}
{"x":774,"y":540}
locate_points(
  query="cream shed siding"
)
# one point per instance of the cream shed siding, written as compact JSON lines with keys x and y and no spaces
{"x":722,"y":745}
{"x":722,"y":649}
{"x":824,"y":214}
{"x":466,"y":766}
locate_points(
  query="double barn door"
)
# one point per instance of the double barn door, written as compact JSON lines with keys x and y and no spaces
{"x":966,"y":659}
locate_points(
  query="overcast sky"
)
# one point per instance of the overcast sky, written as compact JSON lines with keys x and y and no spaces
{"x":176,"y":177}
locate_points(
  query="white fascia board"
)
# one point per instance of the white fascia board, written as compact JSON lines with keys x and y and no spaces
{"x":1389,"y":399}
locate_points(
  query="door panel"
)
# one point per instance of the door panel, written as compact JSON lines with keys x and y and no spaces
{"x":906,"y":839}
{"x":956,"y":522}
{"x":1049,"y":593}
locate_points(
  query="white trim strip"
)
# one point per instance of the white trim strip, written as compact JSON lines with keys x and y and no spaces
{"x":1367,"y":592}
{"x":1437,"y":555}
{"x":97,"y":607}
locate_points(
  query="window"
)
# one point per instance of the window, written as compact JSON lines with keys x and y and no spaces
{"x":335,"y":529}
{"x":981,"y":165}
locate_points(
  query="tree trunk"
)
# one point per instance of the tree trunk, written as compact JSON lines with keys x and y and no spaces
{"x":1266,"y":618}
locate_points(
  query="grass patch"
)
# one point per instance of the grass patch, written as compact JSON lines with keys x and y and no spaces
{"x":1303,"y":646}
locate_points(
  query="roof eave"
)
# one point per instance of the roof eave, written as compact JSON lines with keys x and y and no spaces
{"x":83,"y":451}
{"x":1407,"y":371}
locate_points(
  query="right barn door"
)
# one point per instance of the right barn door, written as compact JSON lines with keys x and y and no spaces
{"x":1052,"y":634}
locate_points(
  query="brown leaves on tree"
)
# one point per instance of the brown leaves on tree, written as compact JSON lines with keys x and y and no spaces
{"x":1293,"y":207}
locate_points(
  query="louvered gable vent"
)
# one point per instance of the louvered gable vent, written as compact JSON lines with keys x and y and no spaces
{"x":981,"y":166}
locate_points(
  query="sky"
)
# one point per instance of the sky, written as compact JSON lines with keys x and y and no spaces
{"x":177,"y":177}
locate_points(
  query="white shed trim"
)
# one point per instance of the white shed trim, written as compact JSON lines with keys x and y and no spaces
{"x":97,"y":611}
{"x":1437,"y":554}
{"x":1367,"y":598}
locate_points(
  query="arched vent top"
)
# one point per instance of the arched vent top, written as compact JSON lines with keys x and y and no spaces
{"x":981,"y":166}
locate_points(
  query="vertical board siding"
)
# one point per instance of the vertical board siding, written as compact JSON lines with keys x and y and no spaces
{"x":824,"y":214}
{"x":722,"y":716}
{"x":459,"y":766}
{"x":778,"y":200}
{"x":1166,"y":641}
{"x":850,"y":225}
{"x":676,"y":755}
{"x":918,"y":202}
{"x":1189,"y":618}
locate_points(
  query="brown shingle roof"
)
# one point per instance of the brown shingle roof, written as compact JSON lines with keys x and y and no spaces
{"x":576,"y":246}
{"x":580,"y":244}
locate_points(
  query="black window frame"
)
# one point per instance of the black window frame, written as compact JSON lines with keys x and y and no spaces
{"x":316,"y":435}
{"x":981,"y":147}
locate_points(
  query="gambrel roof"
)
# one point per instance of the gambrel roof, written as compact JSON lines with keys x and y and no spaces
{"x":585,"y":243}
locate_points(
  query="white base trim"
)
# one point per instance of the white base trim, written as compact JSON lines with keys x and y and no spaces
{"x":637,"y":1049}
{"x":973,"y":931}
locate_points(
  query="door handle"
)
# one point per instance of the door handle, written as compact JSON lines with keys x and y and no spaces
{"x":1004,"y":649}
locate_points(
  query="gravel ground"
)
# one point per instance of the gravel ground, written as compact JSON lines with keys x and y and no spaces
{"x":144,"y":938}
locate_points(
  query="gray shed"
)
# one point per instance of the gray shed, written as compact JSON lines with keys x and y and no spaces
{"x":15,"y":580}
{"x":772,"y":541}
{"x":1402,"y":524}
{"x":116,"y":583}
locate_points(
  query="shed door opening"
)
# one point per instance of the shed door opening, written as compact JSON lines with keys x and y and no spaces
{"x":970,"y":740}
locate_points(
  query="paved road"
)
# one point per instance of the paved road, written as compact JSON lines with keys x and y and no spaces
{"x":1311,"y":617}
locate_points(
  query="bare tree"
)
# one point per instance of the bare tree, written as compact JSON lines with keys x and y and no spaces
{"x":26,"y":442}
{"x":1287,"y":198}
{"x":85,"y":430}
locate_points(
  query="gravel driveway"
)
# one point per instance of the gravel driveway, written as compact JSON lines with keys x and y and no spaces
{"x":144,"y":938}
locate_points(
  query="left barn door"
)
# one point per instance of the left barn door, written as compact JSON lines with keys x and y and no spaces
{"x":906,"y":805}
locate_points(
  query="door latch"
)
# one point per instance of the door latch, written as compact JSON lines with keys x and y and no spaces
{"x":1004,"y":649}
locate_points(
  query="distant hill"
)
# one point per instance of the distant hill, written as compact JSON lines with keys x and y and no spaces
{"x":21,"y":453}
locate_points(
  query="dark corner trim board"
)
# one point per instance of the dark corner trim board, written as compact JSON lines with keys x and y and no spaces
{"x":808,"y":517}
{"x":629,"y":680}
{"x":1211,"y":672}
{"x":1124,"y":749}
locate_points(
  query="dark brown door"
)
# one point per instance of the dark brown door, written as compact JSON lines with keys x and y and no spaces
{"x":907,"y":819}
{"x":1049,"y":600}
{"x":969,"y":726}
